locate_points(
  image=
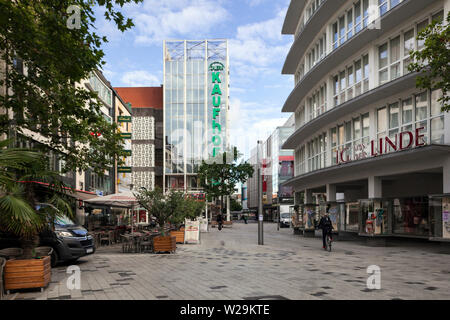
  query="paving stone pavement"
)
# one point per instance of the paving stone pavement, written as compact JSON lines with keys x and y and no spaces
{"x":229,"y":264}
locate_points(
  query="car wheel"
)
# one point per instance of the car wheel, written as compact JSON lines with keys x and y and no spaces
{"x":54,"y":258}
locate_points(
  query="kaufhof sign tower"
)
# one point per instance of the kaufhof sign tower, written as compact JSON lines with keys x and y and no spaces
{"x":196,"y":105}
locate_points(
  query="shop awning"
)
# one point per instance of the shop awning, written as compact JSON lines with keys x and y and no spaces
{"x":122,"y":200}
{"x":78,"y":194}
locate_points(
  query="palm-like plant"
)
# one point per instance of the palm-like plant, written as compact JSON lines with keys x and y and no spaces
{"x":18,"y":213}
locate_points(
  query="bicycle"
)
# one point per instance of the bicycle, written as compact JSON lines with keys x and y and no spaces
{"x":328,"y":242}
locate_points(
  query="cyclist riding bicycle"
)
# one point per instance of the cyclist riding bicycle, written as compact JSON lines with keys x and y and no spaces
{"x":326,"y":226}
{"x":220,"y":221}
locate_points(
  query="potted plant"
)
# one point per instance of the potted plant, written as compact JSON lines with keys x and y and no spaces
{"x":20,"y":214}
{"x":162,"y":207}
{"x":177,"y":219}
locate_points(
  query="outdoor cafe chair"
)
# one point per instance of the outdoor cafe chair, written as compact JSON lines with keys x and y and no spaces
{"x":2,"y":265}
{"x":146,"y":244}
{"x":11,"y":253}
{"x":107,"y":236}
{"x":127,"y":243}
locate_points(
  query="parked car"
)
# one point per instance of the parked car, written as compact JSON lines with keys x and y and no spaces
{"x":285,"y":219}
{"x":69,"y":241}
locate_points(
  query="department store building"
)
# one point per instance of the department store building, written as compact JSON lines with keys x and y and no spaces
{"x":370,"y":148}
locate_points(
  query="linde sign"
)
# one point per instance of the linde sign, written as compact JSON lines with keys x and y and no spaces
{"x":381,"y":145}
{"x":215,"y":68}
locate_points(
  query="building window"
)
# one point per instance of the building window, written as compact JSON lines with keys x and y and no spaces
{"x":300,"y":161}
{"x":394,"y":55}
{"x":419,"y":111}
{"x":437,"y":118}
{"x":351,"y":82}
{"x":355,"y":19}
{"x":317,"y":53}
{"x":383,"y":73}
{"x":317,"y":102}
{"x":349,"y":24}
{"x":357,"y":16}
{"x":350,"y":140}
{"x":317,"y":150}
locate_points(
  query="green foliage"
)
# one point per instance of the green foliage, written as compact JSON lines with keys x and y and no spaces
{"x":193,"y":208}
{"x":234,"y":205}
{"x":17,"y":200}
{"x":219,"y":178}
{"x":433,"y":61}
{"x":162,"y":207}
{"x":46,"y":99}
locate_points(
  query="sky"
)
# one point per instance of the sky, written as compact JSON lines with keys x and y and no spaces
{"x":257,"y":52}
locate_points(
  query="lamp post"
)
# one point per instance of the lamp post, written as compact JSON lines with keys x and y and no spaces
{"x":260,"y":196}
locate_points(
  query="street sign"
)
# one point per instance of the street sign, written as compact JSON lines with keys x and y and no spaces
{"x":124,"y":119}
{"x":125,"y":135}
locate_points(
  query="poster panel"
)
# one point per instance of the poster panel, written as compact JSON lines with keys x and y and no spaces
{"x":203,"y":224}
{"x":192,"y":231}
{"x":446,"y":217}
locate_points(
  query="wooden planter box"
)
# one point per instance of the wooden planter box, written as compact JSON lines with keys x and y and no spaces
{"x":29,"y":273}
{"x":164,"y":244}
{"x":179,"y":235}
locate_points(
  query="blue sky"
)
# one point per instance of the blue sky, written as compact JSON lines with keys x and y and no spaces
{"x":257,"y":52}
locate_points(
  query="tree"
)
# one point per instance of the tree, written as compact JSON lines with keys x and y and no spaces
{"x":185,"y":208}
{"x":193,"y":208}
{"x":47,"y":100}
{"x":219,"y":178}
{"x":235,"y":206}
{"x":433,"y":61}
{"x":162,"y":207}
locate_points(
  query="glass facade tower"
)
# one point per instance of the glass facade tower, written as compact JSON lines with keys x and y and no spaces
{"x":195,"y":108}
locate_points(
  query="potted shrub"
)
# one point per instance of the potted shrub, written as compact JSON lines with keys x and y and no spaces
{"x":162,"y":207}
{"x":21,"y":217}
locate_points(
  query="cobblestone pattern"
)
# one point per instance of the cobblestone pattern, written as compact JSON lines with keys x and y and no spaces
{"x":229,"y":264}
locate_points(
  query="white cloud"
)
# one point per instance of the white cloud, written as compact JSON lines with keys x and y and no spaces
{"x":251,"y":122}
{"x":140,"y":78}
{"x":260,"y":43}
{"x":156,"y":20}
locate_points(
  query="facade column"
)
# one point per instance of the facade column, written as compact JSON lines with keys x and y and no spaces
{"x":228,"y":208}
{"x":308,"y":197}
{"x":446,"y":176}
{"x":375,"y":190}
{"x":331,"y":193}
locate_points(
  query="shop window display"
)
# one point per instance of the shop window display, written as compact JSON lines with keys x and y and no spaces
{"x":333,"y":212}
{"x":374,"y":217}
{"x":351,"y":217}
{"x":411,"y":216}
{"x":440,"y":216}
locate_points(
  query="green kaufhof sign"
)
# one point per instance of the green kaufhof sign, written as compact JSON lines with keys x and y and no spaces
{"x":216,"y":69}
{"x":123,"y":169}
{"x":124,"y":119}
{"x":127,"y":152}
{"x":125,"y":135}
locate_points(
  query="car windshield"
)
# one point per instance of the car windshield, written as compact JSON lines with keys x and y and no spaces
{"x":64,"y":221}
{"x":285,"y":215}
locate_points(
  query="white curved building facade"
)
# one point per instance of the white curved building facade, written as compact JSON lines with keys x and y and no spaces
{"x":370,"y":147}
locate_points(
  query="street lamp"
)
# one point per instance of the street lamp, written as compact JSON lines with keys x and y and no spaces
{"x":260,"y":196}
